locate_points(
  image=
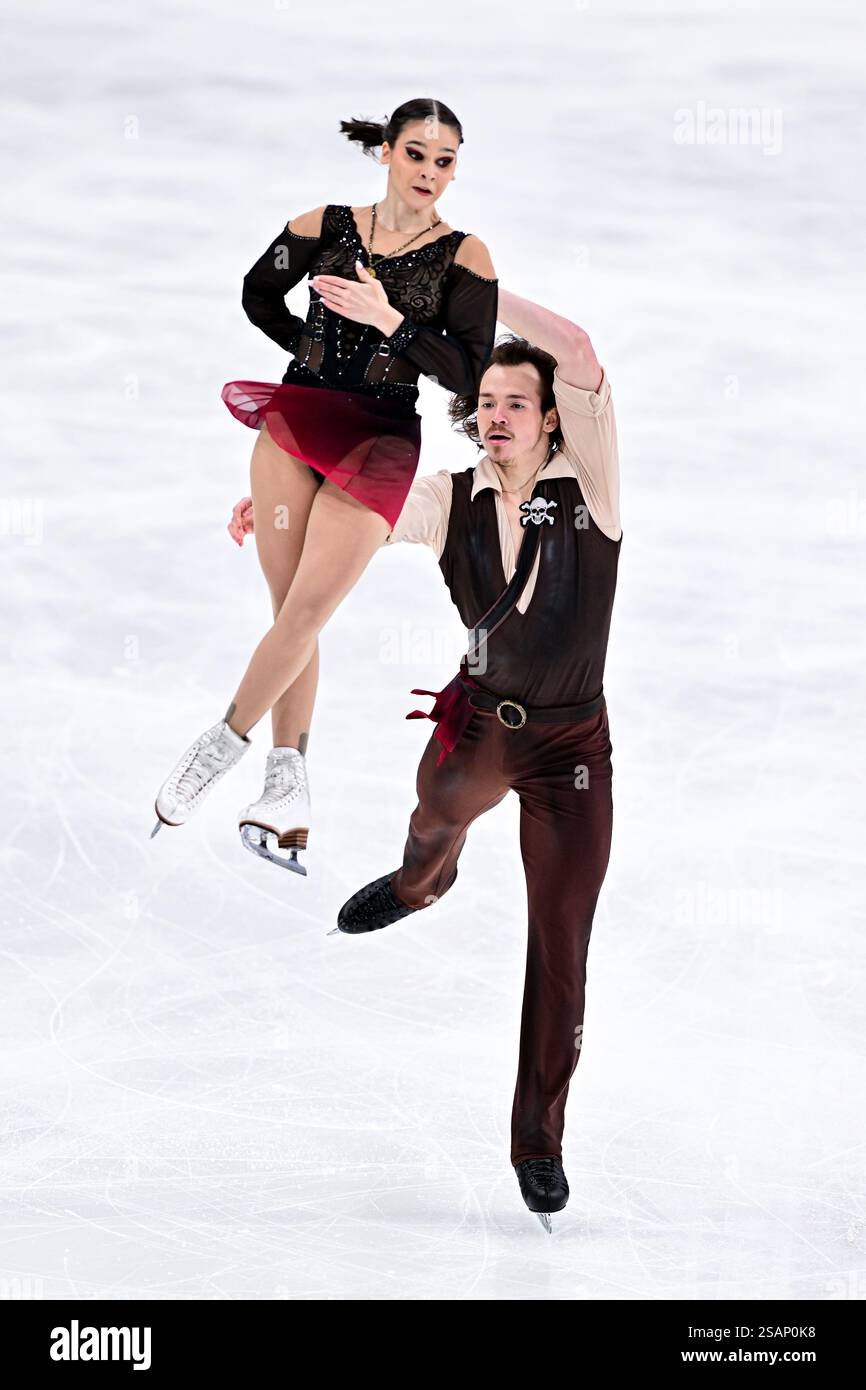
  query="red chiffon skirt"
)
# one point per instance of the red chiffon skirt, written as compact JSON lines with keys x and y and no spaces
{"x":368,"y":445}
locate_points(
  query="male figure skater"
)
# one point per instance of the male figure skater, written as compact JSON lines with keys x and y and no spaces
{"x":527,"y":711}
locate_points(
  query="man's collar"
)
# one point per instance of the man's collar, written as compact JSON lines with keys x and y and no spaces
{"x":486,"y":475}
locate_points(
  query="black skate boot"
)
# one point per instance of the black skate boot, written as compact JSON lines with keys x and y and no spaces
{"x":374,"y":906}
{"x":543,"y":1187}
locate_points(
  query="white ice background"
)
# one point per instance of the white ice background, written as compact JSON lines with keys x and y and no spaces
{"x":203,"y":1094}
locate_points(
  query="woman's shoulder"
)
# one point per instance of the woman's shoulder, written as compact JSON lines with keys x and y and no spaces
{"x":309,"y":224}
{"x":472,"y":254}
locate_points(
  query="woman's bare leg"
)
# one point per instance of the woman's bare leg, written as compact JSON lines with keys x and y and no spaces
{"x":283,"y":490}
{"x":341,"y":538}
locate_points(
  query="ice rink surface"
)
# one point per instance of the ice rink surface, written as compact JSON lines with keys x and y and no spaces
{"x":203,"y":1094}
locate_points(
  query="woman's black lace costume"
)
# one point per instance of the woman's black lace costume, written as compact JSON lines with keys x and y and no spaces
{"x":447,"y":332}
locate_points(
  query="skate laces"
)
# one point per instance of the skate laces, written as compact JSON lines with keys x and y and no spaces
{"x":541,"y":1169}
{"x":284,"y":776}
{"x":207,"y":761}
{"x":379,"y":899}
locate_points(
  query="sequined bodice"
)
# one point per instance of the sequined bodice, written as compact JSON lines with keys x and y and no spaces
{"x":354,"y":355}
{"x":449,"y":312}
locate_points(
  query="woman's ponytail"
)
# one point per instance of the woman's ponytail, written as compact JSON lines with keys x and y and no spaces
{"x":370,"y":134}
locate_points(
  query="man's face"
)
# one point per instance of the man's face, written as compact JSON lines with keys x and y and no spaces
{"x":510,"y":420}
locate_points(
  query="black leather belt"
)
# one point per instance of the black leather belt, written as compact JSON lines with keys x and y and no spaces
{"x":514,"y":715}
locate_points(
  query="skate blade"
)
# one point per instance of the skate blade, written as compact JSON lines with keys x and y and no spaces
{"x":265,"y":843}
{"x":161,"y":821}
{"x":544,"y":1218}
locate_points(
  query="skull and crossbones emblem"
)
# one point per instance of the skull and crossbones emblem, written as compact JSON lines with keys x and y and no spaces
{"x":538,"y":510}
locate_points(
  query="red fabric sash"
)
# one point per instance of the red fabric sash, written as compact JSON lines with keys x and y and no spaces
{"x":451,"y":712}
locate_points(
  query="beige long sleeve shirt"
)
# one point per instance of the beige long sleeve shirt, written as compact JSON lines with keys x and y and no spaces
{"x":589,"y":453}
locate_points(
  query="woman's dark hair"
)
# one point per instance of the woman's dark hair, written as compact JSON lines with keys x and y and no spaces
{"x":508,"y":352}
{"x":371,"y":134}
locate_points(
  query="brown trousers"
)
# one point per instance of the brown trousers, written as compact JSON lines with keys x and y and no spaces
{"x":563,"y":776}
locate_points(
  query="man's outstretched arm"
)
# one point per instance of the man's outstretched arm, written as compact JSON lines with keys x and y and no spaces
{"x":425,"y":513}
{"x":564,"y":340}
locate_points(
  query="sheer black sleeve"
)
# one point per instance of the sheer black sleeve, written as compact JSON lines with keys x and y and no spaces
{"x":455,"y":358}
{"x":282,"y":266}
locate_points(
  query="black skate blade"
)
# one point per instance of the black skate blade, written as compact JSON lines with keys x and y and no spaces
{"x":544,"y":1218}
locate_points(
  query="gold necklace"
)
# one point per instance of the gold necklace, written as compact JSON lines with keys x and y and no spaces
{"x":383,"y":255}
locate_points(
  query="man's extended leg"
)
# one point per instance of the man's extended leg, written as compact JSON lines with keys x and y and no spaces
{"x":566,"y":809}
{"x":450,"y":797}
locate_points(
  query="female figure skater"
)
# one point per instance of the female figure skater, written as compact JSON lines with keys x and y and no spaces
{"x":394,"y":292}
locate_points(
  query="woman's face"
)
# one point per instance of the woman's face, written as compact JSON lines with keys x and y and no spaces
{"x":422,"y":161}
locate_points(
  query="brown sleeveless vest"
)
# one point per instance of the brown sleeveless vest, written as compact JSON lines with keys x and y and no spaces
{"x":554,"y":653}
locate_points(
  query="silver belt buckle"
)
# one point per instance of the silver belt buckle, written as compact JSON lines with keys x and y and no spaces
{"x":509,"y":724}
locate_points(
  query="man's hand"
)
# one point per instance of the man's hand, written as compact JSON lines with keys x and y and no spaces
{"x":364,"y":300}
{"x":241,"y":523}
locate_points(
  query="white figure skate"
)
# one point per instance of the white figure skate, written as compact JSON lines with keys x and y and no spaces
{"x":280,"y":819}
{"x":201,"y":767}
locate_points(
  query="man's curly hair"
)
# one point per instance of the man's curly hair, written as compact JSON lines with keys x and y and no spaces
{"x":508,"y":352}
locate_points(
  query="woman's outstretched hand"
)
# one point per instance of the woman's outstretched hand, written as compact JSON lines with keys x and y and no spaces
{"x":241,"y":523}
{"x":363,"y":300}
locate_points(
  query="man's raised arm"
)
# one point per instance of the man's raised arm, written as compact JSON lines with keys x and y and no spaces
{"x":564,"y":340}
